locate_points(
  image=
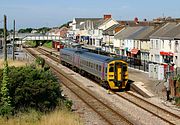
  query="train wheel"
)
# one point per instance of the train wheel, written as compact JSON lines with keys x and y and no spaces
{"x":105,"y":85}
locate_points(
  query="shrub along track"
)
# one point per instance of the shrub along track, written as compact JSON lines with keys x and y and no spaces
{"x":110,"y":115}
{"x":157,"y":111}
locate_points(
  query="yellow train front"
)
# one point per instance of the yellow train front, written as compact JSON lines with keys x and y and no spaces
{"x":117,"y":74}
{"x":111,"y":72}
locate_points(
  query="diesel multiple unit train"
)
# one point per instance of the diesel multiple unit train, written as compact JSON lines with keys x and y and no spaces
{"x":111,"y":72}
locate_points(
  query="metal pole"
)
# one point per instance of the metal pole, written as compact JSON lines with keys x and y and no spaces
{"x":13,"y":39}
{"x":5,"y":38}
{"x":168,"y":84}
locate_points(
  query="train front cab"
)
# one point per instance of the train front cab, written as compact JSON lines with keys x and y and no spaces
{"x":117,"y":75}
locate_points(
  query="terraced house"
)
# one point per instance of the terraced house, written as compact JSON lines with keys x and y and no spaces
{"x":163,"y":44}
{"x":156,"y":41}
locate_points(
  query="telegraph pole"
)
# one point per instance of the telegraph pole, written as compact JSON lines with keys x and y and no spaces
{"x":13,"y":39}
{"x":5,"y":38}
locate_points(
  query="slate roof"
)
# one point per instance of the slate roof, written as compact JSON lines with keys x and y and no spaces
{"x":145,"y":32}
{"x":133,"y":35}
{"x":163,"y":30}
{"x":110,"y":30}
{"x":172,"y":33}
{"x":177,"y":36}
{"x":126,"y":32}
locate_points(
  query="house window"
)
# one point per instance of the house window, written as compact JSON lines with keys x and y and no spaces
{"x":176,"y":60}
{"x":176,"y":46}
{"x":151,"y":57}
{"x":151,"y":44}
{"x":170,"y":46}
{"x":163,"y":44}
{"x":157,"y":59}
{"x":156,"y":44}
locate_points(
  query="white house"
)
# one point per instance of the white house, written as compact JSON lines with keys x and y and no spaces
{"x":80,"y":28}
{"x":177,"y":50}
{"x":120,"y":40}
{"x":170,"y":45}
{"x":108,"y":38}
{"x":161,"y":49}
{"x":141,"y":42}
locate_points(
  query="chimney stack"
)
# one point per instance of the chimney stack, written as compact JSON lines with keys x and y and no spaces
{"x":107,"y":16}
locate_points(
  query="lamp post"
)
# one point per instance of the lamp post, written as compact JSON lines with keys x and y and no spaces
{"x":13,"y":39}
{"x":5,"y":39}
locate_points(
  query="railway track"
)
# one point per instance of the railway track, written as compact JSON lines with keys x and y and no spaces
{"x":157,"y":111}
{"x":109,"y":114}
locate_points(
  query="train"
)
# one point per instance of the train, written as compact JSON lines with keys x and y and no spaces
{"x":111,"y":72}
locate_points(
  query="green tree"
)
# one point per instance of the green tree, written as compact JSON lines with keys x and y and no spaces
{"x":5,"y":105}
{"x":27,"y":30}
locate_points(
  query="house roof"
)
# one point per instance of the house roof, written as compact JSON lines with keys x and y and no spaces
{"x":163,"y":30}
{"x":126,"y":32}
{"x":134,"y":34}
{"x":85,"y":22}
{"x":145,"y":33}
{"x":133,"y":23}
{"x":172,"y":33}
{"x":177,"y":36}
{"x":110,"y":30}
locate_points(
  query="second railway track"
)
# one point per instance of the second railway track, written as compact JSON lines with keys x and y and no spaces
{"x":159,"y":112}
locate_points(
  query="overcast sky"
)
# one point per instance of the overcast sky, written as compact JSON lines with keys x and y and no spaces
{"x":50,"y":13}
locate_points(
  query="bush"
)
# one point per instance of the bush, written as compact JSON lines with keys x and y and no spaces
{"x":40,"y":61}
{"x":34,"y":88}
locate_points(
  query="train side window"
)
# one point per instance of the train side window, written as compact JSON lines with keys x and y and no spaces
{"x":90,"y":64}
{"x":106,"y":70}
{"x":111,"y":69}
{"x":99,"y":68}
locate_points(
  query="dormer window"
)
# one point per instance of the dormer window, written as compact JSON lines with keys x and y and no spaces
{"x":170,"y":45}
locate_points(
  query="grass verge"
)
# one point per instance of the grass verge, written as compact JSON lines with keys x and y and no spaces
{"x":57,"y":117}
{"x":15,"y":63}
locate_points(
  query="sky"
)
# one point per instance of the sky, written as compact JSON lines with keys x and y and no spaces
{"x":52,"y":13}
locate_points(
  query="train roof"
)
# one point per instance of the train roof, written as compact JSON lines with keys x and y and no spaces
{"x":97,"y":57}
{"x":75,"y":50}
{"x":93,"y":56}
